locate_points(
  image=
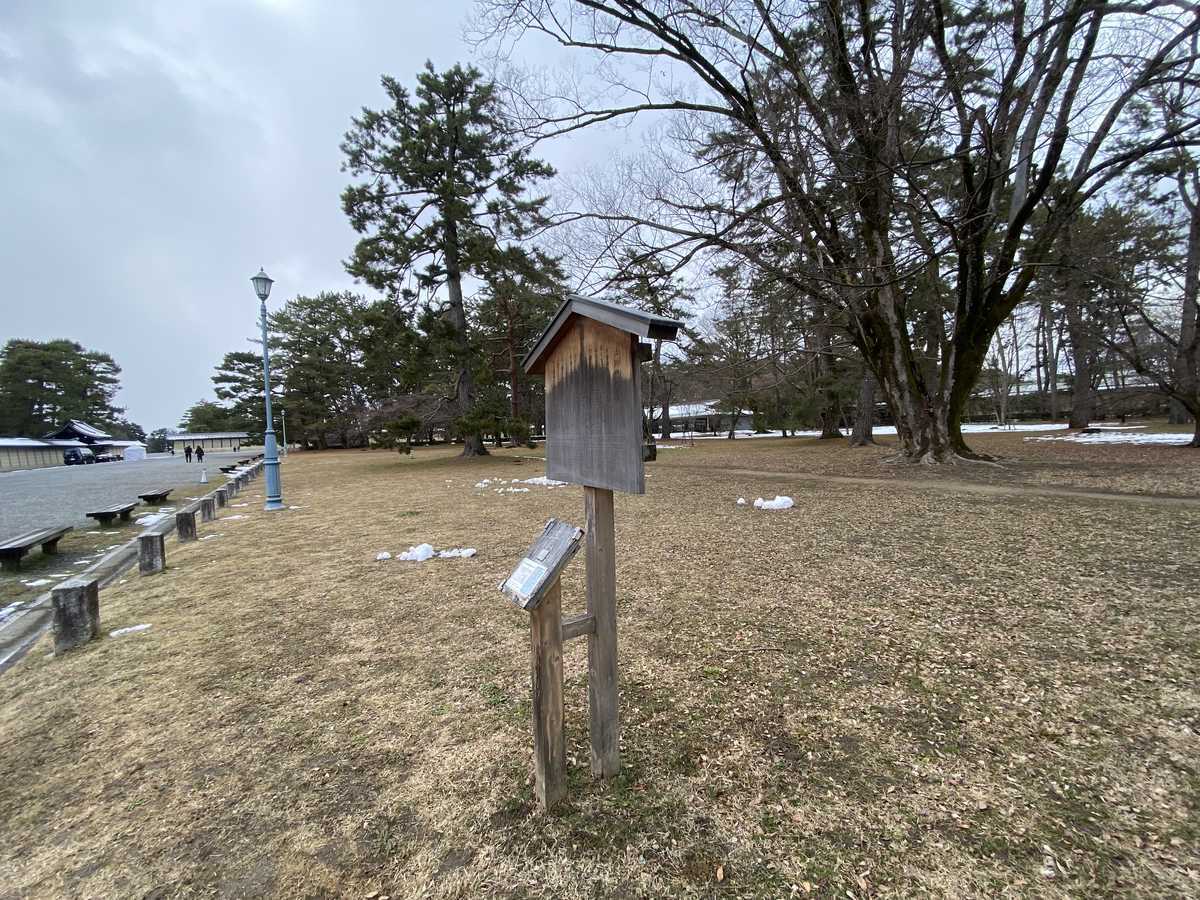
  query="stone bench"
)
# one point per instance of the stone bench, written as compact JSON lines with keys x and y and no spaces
{"x":151,"y":497}
{"x":106,"y":515}
{"x":14,"y":549}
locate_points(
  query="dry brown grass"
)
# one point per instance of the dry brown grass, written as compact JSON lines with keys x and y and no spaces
{"x":887,"y":691}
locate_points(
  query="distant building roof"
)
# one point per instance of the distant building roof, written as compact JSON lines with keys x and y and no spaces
{"x":82,"y":430}
{"x":205,"y":435}
{"x":35,"y":444}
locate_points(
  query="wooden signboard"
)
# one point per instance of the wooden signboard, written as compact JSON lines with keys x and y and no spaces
{"x":594,"y":409}
{"x":590,"y":356}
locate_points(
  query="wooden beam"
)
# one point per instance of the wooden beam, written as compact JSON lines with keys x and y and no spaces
{"x":604,"y":729}
{"x":549,"y":745}
{"x":578,"y":626}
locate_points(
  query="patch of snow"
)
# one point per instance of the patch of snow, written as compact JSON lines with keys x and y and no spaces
{"x":60,"y":575}
{"x":295,"y":507}
{"x":543,"y":481}
{"x":741,"y":501}
{"x":457,"y":553}
{"x":239,"y":504}
{"x":37,"y":582}
{"x":512,"y":490}
{"x":132,"y":629}
{"x":382,"y":555}
{"x":1121,"y":437}
{"x":419,"y":553}
{"x":152,"y":519}
{"x":7,"y":612}
{"x":231,"y":518}
{"x":780,"y":502}
{"x":967,"y":428}
{"x":209,"y":537}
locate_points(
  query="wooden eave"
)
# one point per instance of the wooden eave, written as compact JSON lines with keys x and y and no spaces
{"x":633,"y":321}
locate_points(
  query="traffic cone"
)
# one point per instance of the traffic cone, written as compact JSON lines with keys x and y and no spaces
{"x":204,"y":476}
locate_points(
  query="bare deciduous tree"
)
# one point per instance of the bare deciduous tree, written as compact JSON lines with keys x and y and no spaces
{"x":906,"y":165}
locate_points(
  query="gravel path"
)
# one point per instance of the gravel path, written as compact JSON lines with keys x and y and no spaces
{"x":40,"y":498}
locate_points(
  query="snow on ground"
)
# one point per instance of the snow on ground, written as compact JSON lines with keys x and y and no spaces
{"x":9,"y":611}
{"x":967,"y":428}
{"x":422,"y":552}
{"x":152,"y":519}
{"x":37,"y":582}
{"x":538,"y":481}
{"x":779,"y":502}
{"x":741,"y":501}
{"x":1112,"y":436}
{"x":132,"y":629}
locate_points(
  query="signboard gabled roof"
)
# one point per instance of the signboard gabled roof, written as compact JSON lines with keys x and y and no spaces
{"x":626,"y":318}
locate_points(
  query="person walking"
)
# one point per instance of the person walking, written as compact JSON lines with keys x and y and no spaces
{"x":199,"y":454}
{"x":187,"y":453}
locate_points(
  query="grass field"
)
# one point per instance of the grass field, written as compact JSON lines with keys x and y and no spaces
{"x":975,"y":684}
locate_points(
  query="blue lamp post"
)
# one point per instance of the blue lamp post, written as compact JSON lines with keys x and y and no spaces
{"x":262,"y":286}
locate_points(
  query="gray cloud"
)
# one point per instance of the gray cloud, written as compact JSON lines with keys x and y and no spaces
{"x":154,"y":154}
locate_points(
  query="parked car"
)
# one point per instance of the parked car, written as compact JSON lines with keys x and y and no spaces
{"x":78,"y":456}
{"x":106,"y":457}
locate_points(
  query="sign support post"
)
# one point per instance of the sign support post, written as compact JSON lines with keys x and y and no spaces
{"x":549,"y":746}
{"x":604,"y":730}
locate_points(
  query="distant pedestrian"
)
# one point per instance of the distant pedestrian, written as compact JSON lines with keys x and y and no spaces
{"x":199,"y":454}
{"x":187,"y":453}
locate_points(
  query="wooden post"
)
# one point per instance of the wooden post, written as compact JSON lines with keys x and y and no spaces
{"x":152,"y":552}
{"x":208,"y":509}
{"x":76,"y":613}
{"x":604,"y":728}
{"x":222,"y":495}
{"x":185,"y":524}
{"x":549,"y":746}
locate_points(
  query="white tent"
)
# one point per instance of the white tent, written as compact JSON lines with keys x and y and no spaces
{"x":135,"y":452}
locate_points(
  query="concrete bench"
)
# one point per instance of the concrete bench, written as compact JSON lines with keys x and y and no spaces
{"x":106,"y":515}
{"x":227,"y":469}
{"x":155,"y":496}
{"x":13,"y":549}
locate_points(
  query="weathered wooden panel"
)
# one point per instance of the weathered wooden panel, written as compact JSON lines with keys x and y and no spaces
{"x":594,"y":409}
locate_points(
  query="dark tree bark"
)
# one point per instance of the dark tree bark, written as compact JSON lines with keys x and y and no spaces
{"x":465,"y":385}
{"x":864,"y":413}
{"x":1082,"y":349}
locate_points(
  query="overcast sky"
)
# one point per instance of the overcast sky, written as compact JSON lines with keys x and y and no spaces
{"x":154,"y":154}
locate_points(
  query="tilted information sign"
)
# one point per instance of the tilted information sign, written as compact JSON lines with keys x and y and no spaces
{"x":542,"y":563}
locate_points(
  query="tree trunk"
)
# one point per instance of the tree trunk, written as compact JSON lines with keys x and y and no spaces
{"x":465,"y":386}
{"x":830,"y":407}
{"x":864,"y":413}
{"x":1082,"y":399}
{"x":1187,"y":359}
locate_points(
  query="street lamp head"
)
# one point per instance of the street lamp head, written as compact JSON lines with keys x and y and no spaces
{"x":262,"y":285}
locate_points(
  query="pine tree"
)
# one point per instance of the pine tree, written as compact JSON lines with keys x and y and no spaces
{"x":443,"y":187}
